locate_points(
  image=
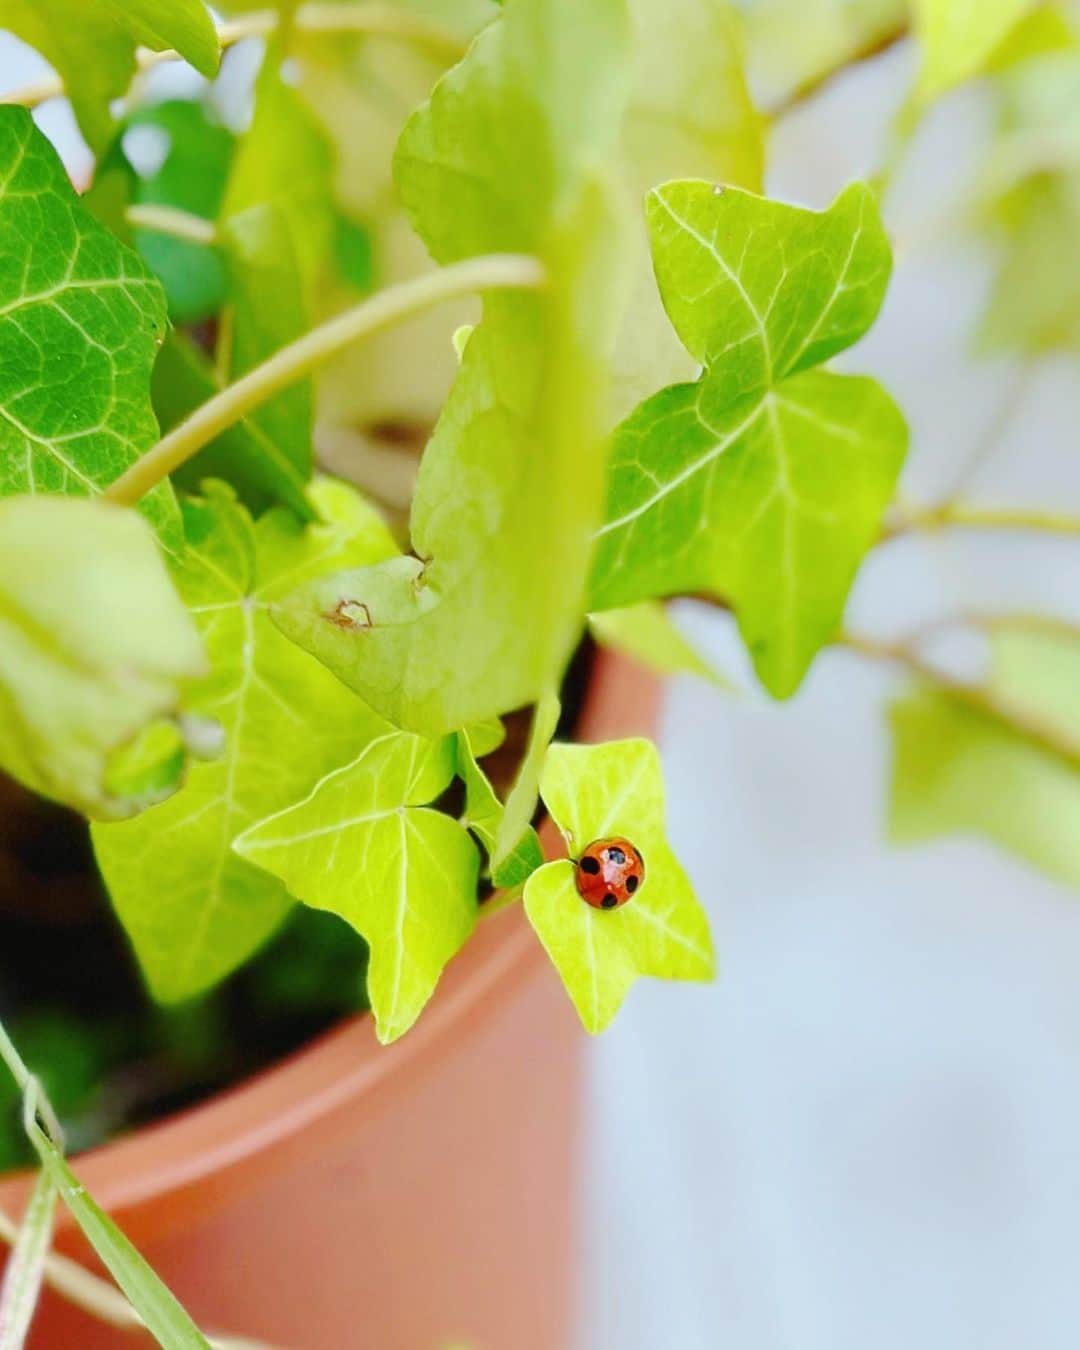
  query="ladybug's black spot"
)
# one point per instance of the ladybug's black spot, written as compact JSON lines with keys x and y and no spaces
{"x":609,"y":902}
{"x":616,"y":855}
{"x":589,"y":864}
{"x":631,"y":883}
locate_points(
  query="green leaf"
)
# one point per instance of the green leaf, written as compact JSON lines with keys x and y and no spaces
{"x":792,"y":44}
{"x":647,"y":633}
{"x":191,"y":177}
{"x":364,"y":846}
{"x":959,"y":37}
{"x":94,"y":645}
{"x":599,"y":792}
{"x":92,"y":46}
{"x":261,"y":471}
{"x":763,"y":483}
{"x":484,"y":812}
{"x":164,"y":1317}
{"x":1031,"y":209}
{"x":25,"y":1269}
{"x":284,"y":161}
{"x":690,"y":116}
{"x":957,"y":769}
{"x":521,"y":799}
{"x":193,"y":909}
{"x":514,"y":470}
{"x":80,"y":320}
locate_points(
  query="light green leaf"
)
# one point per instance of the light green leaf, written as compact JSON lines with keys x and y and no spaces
{"x":80,"y":320}
{"x":163,"y":1316}
{"x":764,"y":483}
{"x":25,"y":1269}
{"x":1031,"y":208}
{"x":959,"y":770}
{"x":600,"y":792}
{"x":94,"y":645}
{"x":793,"y":43}
{"x":363,"y":845}
{"x":92,"y":46}
{"x":514,"y":470}
{"x":193,"y":909}
{"x":484,"y":813}
{"x":191,"y":177}
{"x":284,"y":161}
{"x":958,"y":38}
{"x":521,"y":799}
{"x":690,"y":116}
{"x":648,"y":633}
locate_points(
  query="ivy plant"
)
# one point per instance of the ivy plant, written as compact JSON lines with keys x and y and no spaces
{"x":336,"y":436}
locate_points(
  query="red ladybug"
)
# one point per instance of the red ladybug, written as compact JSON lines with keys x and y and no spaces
{"x":608,"y":873}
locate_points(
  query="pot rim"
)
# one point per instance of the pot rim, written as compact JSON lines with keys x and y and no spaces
{"x":209,"y":1151}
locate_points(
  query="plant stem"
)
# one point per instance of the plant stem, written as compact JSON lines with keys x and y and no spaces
{"x":300,"y":358}
{"x":13,"y":1060}
{"x":809,"y":88}
{"x":361,"y":17}
{"x":959,"y":516}
{"x":169,"y":220}
{"x":979,"y":697}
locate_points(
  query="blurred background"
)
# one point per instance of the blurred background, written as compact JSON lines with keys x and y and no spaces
{"x":868,"y":1132}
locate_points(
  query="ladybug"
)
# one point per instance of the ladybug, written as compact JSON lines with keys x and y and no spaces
{"x":608,"y":873}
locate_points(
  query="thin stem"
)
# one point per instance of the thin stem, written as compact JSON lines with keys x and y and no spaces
{"x":364,"y":16}
{"x":1015,"y":395}
{"x":300,"y":358}
{"x":979,"y":697}
{"x":169,"y":220}
{"x":13,"y":1060}
{"x":957,"y":515}
{"x":809,"y":88}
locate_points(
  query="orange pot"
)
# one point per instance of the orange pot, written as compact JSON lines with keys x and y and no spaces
{"x":360,"y":1197}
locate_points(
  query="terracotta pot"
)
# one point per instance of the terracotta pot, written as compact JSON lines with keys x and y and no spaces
{"x":359,"y":1197}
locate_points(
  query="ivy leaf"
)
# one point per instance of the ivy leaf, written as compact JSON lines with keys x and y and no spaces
{"x":1032,"y":208}
{"x":193,"y":909}
{"x":957,"y":769}
{"x":793,"y":43}
{"x":284,"y":161}
{"x":647,"y":633}
{"x":959,"y":37}
{"x":80,"y":321}
{"x":690,"y":115}
{"x":598,"y":792}
{"x":764,"y":482}
{"x":195,"y":152}
{"x":514,"y":470}
{"x":484,"y":812}
{"x":521,"y":799}
{"x":364,"y":846}
{"x":94,"y":645}
{"x":92,"y":46}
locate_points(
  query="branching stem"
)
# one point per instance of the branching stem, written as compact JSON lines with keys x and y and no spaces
{"x":498,"y":271}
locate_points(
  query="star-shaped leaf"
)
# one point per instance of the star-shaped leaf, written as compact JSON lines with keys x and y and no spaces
{"x":94,"y":646}
{"x":959,"y":38}
{"x":80,"y":321}
{"x":365,"y":846}
{"x":763,"y":483}
{"x":92,"y":46}
{"x":484,"y":812}
{"x":598,"y":792}
{"x":193,"y":909}
{"x":503,"y":157}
